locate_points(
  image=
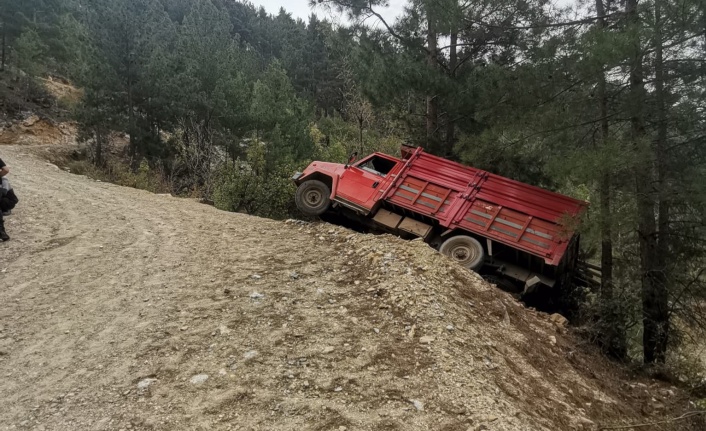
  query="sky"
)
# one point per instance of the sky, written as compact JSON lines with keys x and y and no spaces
{"x":301,"y":9}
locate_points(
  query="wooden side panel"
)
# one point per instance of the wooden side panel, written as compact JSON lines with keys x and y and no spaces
{"x":415,"y":227}
{"x":387,"y":218}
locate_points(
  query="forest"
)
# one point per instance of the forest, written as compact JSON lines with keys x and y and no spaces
{"x":601,"y":100}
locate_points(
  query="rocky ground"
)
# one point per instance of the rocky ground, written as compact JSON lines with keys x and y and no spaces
{"x":124,"y":310}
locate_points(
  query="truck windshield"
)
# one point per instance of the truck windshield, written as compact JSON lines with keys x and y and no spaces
{"x":377,"y":165}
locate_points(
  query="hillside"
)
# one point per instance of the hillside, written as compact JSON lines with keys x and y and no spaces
{"x":128,"y":310}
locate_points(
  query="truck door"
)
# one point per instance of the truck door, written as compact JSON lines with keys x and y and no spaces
{"x":359,"y":183}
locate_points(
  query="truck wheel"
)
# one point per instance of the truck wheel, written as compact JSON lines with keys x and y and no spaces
{"x":465,"y":250}
{"x":313,"y":197}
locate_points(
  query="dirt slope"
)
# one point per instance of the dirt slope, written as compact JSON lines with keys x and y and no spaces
{"x":120,"y":309}
{"x":38,"y":131}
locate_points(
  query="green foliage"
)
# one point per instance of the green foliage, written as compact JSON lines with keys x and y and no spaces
{"x":248,"y":186}
{"x":336,"y":139}
{"x":145,"y":178}
{"x":30,"y":52}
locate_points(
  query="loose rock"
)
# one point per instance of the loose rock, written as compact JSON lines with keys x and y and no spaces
{"x":417,"y":405}
{"x":198,"y":379}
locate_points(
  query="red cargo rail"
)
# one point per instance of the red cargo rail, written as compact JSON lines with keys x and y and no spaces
{"x":519,"y":215}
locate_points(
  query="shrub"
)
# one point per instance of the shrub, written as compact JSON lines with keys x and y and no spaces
{"x":249,"y":186}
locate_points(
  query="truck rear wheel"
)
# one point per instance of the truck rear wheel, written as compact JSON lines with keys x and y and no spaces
{"x":313,"y":197}
{"x":465,"y":250}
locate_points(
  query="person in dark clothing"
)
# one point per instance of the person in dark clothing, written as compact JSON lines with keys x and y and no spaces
{"x":8,"y":198}
{"x":4,"y":170}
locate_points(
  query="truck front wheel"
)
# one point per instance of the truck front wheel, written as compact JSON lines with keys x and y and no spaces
{"x":465,"y":250}
{"x":313,"y":197}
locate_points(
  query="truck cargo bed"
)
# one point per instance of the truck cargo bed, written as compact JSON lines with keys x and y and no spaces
{"x":524,"y":217}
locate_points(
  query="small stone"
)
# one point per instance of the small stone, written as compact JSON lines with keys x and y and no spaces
{"x":585,"y":421}
{"x":226,"y":291}
{"x":250,"y":354}
{"x":426,"y":339}
{"x":559,"y":320}
{"x":450,"y":328}
{"x":294,"y":275}
{"x":417,"y":405}
{"x":338,"y":389}
{"x":198,"y":379}
{"x":184,"y":328}
{"x":256,"y":295}
{"x":377,"y":331}
{"x":552,"y":340}
{"x":143,"y":384}
{"x":223,"y":329}
{"x":328,"y":349}
{"x":256,"y":276}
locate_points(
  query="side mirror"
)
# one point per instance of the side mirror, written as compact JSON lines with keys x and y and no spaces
{"x":352,"y":159}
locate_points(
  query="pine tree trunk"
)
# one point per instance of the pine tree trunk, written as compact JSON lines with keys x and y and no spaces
{"x":360,"y":134}
{"x":606,"y":234}
{"x":4,"y":45}
{"x":450,"y":125}
{"x":613,"y":339}
{"x":99,"y":149}
{"x":664,"y":205}
{"x":432,"y":103}
{"x":131,"y":117}
{"x":643,"y":174}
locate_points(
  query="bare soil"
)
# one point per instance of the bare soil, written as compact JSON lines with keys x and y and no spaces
{"x":120,"y":309}
{"x":38,"y":131}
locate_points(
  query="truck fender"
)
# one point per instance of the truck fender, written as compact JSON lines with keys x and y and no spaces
{"x":334,"y":186}
{"x":317,"y":176}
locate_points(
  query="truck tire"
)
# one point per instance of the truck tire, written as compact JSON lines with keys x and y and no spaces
{"x":465,"y":250}
{"x":313,"y":197}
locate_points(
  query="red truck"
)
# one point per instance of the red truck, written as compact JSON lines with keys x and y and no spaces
{"x":516,"y":235}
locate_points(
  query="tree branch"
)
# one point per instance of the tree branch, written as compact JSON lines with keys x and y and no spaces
{"x":582,"y":21}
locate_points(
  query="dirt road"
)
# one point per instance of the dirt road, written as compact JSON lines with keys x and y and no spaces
{"x":122,"y":310}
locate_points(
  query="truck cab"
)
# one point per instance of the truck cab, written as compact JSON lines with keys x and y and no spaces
{"x":357,"y":185}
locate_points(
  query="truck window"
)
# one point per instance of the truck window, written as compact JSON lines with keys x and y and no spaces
{"x":378,"y":165}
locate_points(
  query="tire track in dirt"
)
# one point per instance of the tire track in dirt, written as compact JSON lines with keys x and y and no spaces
{"x":91,"y":269}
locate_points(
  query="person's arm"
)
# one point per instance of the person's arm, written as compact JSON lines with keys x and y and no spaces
{"x":4,"y":171}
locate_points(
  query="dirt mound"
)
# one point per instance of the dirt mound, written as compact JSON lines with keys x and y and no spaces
{"x":38,"y":131}
{"x":62,"y":89}
{"x":127,"y":310}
